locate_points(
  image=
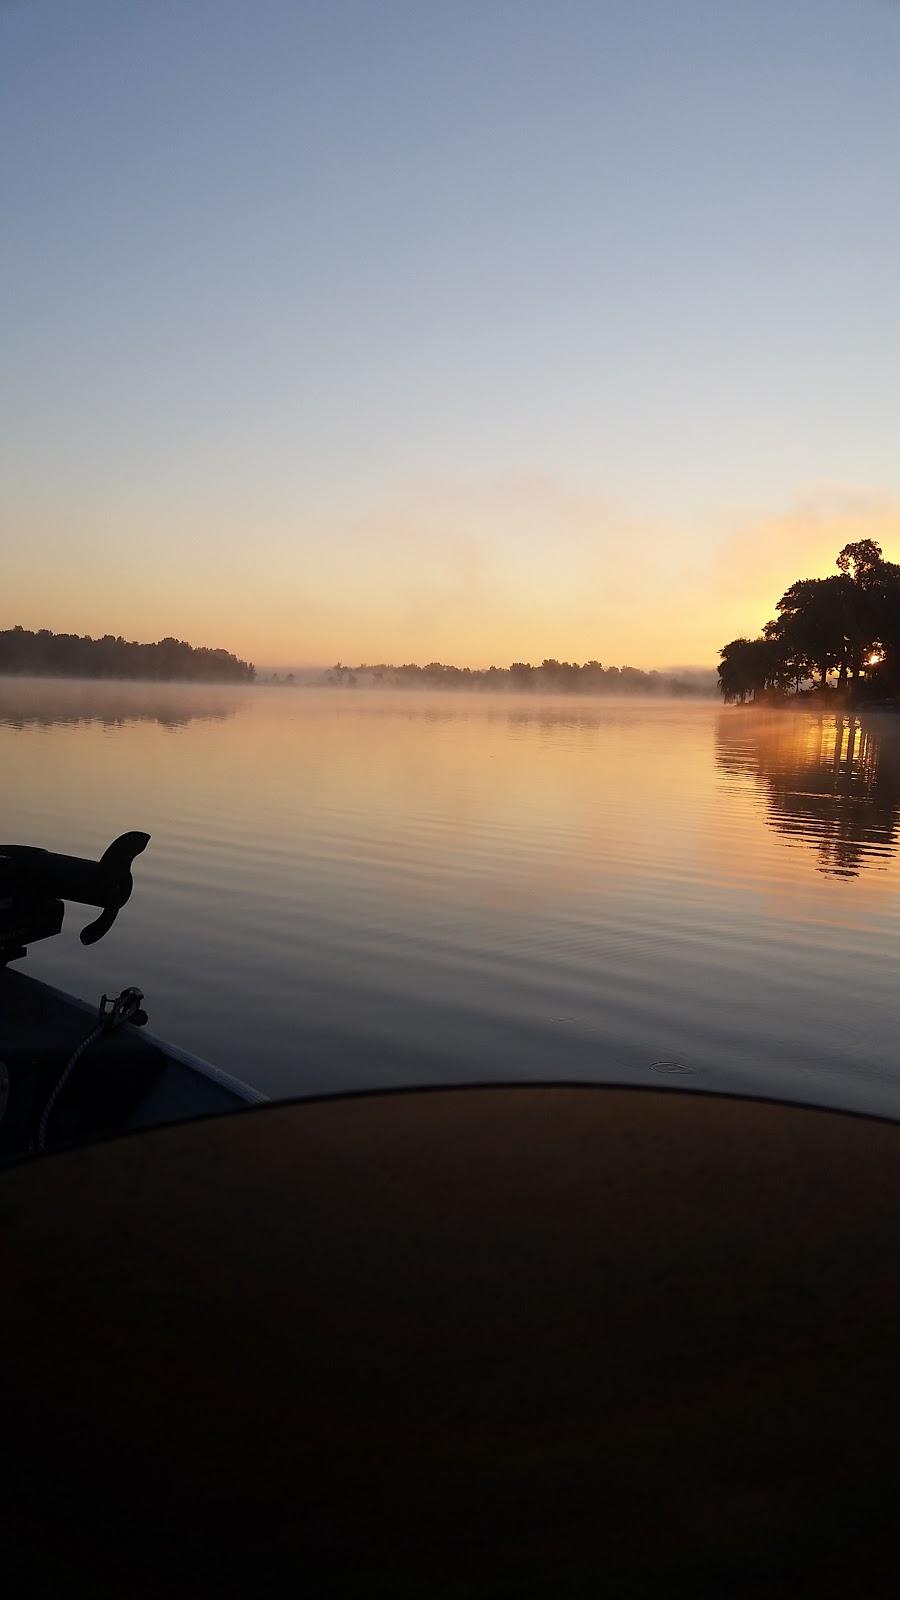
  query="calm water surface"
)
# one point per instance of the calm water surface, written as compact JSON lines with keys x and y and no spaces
{"x":346,"y":888}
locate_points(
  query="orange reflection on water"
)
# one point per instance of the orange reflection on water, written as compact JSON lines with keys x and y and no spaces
{"x":829,"y":783}
{"x":360,"y":886}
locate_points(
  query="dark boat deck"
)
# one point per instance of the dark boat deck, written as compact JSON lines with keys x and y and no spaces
{"x":497,"y":1342}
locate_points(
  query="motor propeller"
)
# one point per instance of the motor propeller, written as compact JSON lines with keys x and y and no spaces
{"x":34,"y":883}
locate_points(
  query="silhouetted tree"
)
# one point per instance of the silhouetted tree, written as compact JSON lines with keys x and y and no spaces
{"x":66,"y":655}
{"x":749,"y":668}
{"x":849,"y":624}
{"x":559,"y":677}
{"x":862,"y":561}
{"x":814,"y":616}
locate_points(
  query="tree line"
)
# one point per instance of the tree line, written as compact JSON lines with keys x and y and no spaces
{"x":551,"y":677}
{"x":838,"y":634}
{"x":69,"y":655}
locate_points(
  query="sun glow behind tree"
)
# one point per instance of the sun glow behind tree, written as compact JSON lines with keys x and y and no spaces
{"x":847,"y":624}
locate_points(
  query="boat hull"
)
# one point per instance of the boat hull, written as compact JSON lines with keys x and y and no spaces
{"x":127,"y":1079}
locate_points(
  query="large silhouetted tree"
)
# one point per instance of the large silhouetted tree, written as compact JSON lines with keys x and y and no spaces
{"x":848,"y":624}
{"x":812,"y":621}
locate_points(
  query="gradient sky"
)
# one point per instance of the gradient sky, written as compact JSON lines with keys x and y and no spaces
{"x":475,"y":331}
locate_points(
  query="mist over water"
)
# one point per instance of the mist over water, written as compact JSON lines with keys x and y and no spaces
{"x":367,"y":889}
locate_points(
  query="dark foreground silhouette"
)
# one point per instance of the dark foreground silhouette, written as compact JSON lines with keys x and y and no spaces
{"x":67,"y":655}
{"x":536,"y":1341}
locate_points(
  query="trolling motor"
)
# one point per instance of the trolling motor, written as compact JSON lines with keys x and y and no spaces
{"x":34,"y":883}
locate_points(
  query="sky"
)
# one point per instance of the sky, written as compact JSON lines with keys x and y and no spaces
{"x":502,"y":329}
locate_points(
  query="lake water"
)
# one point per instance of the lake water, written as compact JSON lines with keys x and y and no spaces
{"x":353,"y":888}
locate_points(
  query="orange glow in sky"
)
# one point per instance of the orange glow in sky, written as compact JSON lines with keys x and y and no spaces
{"x":423,"y":332}
{"x":518,"y":569}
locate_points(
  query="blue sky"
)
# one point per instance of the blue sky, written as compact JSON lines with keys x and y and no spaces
{"x":396,"y":329}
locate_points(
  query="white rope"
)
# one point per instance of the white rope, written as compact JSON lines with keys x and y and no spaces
{"x":61,"y":1082}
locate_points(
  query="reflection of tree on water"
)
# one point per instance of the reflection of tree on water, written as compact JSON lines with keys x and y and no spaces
{"x":832,"y":783}
{"x":45,"y":703}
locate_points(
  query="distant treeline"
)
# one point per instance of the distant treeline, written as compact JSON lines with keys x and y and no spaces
{"x":837,"y":635}
{"x":68,"y":655}
{"x":551,"y":677}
